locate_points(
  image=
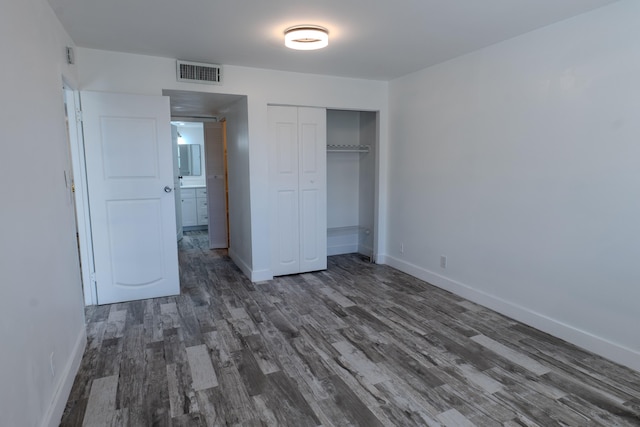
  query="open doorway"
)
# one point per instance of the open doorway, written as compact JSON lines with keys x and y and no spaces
{"x":201,"y":176}
{"x":208,"y":174}
{"x":201,"y":106}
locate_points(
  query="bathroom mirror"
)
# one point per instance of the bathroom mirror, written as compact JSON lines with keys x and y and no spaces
{"x":189,"y":160}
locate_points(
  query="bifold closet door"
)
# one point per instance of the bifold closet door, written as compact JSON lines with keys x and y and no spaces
{"x":298,"y":187}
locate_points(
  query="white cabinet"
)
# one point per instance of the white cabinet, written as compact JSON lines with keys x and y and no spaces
{"x":298,"y":189}
{"x":202,"y":208}
{"x":194,"y":207}
{"x":189,"y":216}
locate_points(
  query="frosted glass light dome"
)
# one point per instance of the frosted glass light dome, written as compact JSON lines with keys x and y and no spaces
{"x":306,"y":37}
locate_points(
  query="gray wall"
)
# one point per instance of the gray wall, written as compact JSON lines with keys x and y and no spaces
{"x":41,"y":304}
{"x":519,"y":162}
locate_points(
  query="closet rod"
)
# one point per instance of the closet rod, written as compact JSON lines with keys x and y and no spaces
{"x":334,"y":148}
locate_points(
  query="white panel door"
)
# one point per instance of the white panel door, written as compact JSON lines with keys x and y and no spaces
{"x":283,"y":182}
{"x":130,"y":180}
{"x":312,"y":155}
{"x":216,"y":199}
{"x":297,"y":173}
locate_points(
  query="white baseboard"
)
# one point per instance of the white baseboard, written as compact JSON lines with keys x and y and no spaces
{"x":253,"y":275}
{"x":261,"y":275}
{"x":342,"y":249}
{"x":612,"y":351}
{"x":365,"y":250}
{"x":239,"y":262}
{"x":67,"y":376}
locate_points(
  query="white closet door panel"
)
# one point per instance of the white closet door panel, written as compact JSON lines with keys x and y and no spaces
{"x":298,"y":200}
{"x":287,"y":230}
{"x":286,"y":151}
{"x":309,"y":253}
{"x":283,"y":176}
{"x":312,"y":135}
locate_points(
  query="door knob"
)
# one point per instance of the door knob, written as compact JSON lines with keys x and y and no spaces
{"x":167,"y":189}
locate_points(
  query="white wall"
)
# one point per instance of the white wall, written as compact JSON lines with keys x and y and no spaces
{"x":351,"y":182}
{"x":367,"y":179}
{"x":41,"y":305}
{"x":128,"y":73}
{"x":343,"y":128}
{"x":520,"y":163}
{"x":239,"y":185}
{"x":343,"y":183}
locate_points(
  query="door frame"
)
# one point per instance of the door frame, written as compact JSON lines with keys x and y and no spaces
{"x":223,"y":121}
{"x":176,"y":183}
{"x":76,"y":142}
{"x":225,"y":199}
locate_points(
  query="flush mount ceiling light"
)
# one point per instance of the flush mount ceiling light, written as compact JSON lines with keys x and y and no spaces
{"x":306,"y":37}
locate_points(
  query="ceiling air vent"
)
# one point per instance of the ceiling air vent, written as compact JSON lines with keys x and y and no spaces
{"x":197,"y":72}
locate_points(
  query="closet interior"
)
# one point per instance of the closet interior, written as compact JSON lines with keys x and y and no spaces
{"x":351,"y":169}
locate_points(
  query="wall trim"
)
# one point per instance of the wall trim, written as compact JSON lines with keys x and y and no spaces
{"x":610,"y":350}
{"x":365,"y":250}
{"x":341,"y":249}
{"x":253,"y":275}
{"x":243,"y":266}
{"x":261,"y":275}
{"x":81,"y":194}
{"x":59,"y":401}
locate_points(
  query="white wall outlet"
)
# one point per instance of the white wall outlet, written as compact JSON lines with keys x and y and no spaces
{"x":443,"y":261}
{"x":52,"y":365}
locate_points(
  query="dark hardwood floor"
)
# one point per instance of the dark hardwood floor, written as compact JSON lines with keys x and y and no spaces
{"x":358,"y":344}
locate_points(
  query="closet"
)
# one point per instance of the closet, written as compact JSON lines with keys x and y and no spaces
{"x":322,"y":171}
{"x":298,"y":189}
{"x":351,"y":141}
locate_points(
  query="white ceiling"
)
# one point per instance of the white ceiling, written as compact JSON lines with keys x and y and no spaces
{"x":370,"y":39}
{"x":199,"y":104}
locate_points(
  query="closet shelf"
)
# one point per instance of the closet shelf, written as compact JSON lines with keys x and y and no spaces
{"x":348,"y":230}
{"x":334,"y":148}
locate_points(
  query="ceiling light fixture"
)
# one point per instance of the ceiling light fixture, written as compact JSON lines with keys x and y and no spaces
{"x":306,"y":37}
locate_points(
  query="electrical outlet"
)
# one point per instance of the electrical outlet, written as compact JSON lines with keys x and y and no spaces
{"x":401,"y":248}
{"x":443,"y":261}
{"x":52,"y":365}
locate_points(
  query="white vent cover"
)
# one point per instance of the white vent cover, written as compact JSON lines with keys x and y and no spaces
{"x":198,"y":72}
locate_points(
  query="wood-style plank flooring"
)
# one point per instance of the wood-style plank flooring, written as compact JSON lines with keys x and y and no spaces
{"x":358,"y":344}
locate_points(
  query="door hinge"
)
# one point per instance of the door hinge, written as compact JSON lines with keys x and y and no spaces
{"x":79,"y":116}
{"x":92,"y":276}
